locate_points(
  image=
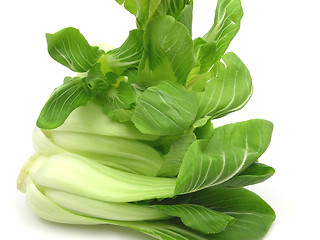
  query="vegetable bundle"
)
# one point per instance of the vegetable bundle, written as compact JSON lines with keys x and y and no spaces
{"x":129,"y":140}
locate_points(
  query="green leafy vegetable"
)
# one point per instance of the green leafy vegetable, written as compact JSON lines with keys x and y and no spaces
{"x":254,"y":174}
{"x":198,"y":217}
{"x":165,"y":109}
{"x":253,"y":216}
{"x":128,"y":55}
{"x":71,"y":49}
{"x":168,"y":44}
{"x":62,"y":102}
{"x":228,"y":91}
{"x":231,"y":150}
{"x":226,"y":25}
{"x":131,"y":139}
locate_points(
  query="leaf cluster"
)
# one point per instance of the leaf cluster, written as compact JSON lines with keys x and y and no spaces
{"x":143,"y":113}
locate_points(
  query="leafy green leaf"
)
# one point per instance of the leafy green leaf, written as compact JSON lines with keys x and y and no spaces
{"x":128,"y":55}
{"x":226,"y":25}
{"x":198,"y":217}
{"x":71,"y":49}
{"x":130,"y":5}
{"x":186,"y":16}
{"x":168,"y":48}
{"x":253,"y":216}
{"x":62,"y":102}
{"x":231,"y":150}
{"x":165,"y":109}
{"x":228,"y":91}
{"x":254,"y":174}
{"x":172,"y":7}
{"x":170,"y":230}
{"x":173,"y":159}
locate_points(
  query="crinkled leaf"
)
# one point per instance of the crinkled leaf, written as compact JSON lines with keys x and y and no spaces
{"x":199,"y":217}
{"x":168,"y":48}
{"x":128,"y":55}
{"x":62,"y":102}
{"x":71,"y":49}
{"x":226,"y":25}
{"x":173,"y":159}
{"x":254,"y":174}
{"x":253,"y":216}
{"x":165,"y":109}
{"x":231,"y":150}
{"x":228,"y":91}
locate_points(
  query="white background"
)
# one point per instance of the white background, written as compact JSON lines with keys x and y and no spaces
{"x":278,"y":41}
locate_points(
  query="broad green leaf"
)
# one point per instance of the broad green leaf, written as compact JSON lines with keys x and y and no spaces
{"x":198,"y":217}
{"x":228,"y":91}
{"x":168,"y":48}
{"x":226,"y":25}
{"x":173,"y":159}
{"x":128,"y":55}
{"x":62,"y":102}
{"x":71,"y":49}
{"x":170,"y":230}
{"x":231,"y":150}
{"x":253,"y":216}
{"x":254,"y":174}
{"x":165,"y":109}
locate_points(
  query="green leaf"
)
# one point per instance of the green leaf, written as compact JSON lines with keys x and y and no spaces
{"x":231,"y":150}
{"x":228,"y":91}
{"x":226,"y":25}
{"x":62,"y":102}
{"x":120,"y":99}
{"x":254,"y":174}
{"x":253,"y":216}
{"x":145,"y":10}
{"x":128,"y":55}
{"x":198,"y":217}
{"x":130,"y":5}
{"x":173,"y":159}
{"x":71,"y":49}
{"x":186,"y":16}
{"x":168,"y":48}
{"x":165,"y":109}
{"x":170,"y":230}
{"x":172,"y":7}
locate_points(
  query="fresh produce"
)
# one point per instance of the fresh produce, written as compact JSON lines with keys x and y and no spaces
{"x":130,"y":139}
